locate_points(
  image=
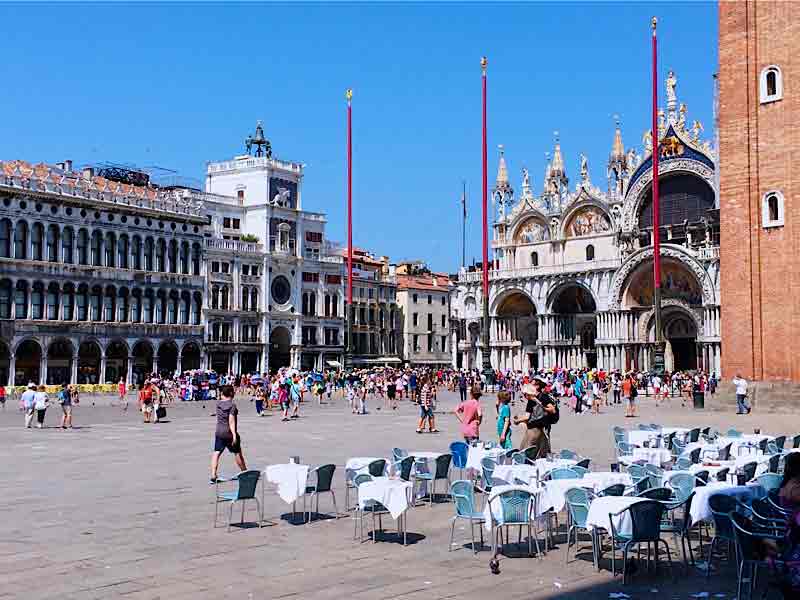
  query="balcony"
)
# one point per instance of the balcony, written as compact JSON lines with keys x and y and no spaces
{"x":708,"y":253}
{"x":251,"y":162}
{"x":523,"y":272}
{"x":282,"y":247}
{"x":234,"y":246}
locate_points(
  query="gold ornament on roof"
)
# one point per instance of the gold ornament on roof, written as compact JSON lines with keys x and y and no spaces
{"x":484,"y":63}
{"x":697,"y":127}
{"x":348,"y":94}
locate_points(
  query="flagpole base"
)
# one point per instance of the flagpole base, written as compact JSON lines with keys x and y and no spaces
{"x":657,"y":362}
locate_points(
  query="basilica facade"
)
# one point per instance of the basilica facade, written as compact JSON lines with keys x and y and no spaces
{"x":571,"y":283}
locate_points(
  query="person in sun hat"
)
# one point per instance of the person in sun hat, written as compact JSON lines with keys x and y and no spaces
{"x":28,"y":401}
{"x":541,"y":412}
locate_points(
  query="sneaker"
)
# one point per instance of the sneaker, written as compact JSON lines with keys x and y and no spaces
{"x":214,"y":481}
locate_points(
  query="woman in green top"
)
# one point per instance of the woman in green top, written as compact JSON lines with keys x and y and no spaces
{"x":504,"y":419}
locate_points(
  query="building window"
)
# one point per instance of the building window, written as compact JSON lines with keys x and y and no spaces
{"x":21,"y":240}
{"x":443,"y":348}
{"x":415,"y":347}
{"x":414,"y":319}
{"x":240,"y":196}
{"x":772,"y":210}
{"x":226,"y":222}
{"x":414,"y":298}
{"x":254,"y":270}
{"x":430,"y":322}
{"x":444,"y":320}
{"x":226,"y":267}
{"x":770,"y":84}
{"x":245,"y":269}
{"x":430,"y":299}
{"x":444,"y":301}
{"x":589,"y":252}
{"x":430,"y":343}
{"x":214,"y":267}
{"x":37,"y":301}
{"x":236,"y":223}
{"x":534,"y":259}
{"x":37,"y":240}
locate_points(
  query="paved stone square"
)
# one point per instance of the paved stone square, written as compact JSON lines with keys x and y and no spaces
{"x":117,"y":508}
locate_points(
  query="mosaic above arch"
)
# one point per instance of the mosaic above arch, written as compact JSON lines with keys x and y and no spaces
{"x":588,"y":221}
{"x":531,"y":231}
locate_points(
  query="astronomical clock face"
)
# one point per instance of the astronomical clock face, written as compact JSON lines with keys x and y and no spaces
{"x":533,"y":231}
{"x":588,"y":221}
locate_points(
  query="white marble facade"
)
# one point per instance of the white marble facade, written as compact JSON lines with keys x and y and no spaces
{"x":573,"y":277}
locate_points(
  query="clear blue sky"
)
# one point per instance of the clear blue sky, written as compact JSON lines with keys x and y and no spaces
{"x":177,"y":85}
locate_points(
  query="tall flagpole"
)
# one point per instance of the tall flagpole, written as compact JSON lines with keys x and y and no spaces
{"x":348,"y":359}
{"x":658,"y":348}
{"x":487,"y":370}
{"x":464,"y":225}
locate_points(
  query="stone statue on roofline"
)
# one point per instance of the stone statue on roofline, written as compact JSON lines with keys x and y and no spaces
{"x":672,"y":83}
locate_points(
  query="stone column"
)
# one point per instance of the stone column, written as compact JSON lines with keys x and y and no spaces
{"x":73,"y":364}
{"x":129,"y":372}
{"x":43,"y":369}
{"x":12,"y":367}
{"x":102,"y":378}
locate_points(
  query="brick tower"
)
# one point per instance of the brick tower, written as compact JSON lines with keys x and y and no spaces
{"x":759,"y":43}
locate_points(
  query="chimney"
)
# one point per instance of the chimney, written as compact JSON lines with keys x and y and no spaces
{"x":68,"y":166}
{"x":88,"y":173}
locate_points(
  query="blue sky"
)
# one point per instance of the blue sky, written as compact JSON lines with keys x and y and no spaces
{"x":176,"y":85}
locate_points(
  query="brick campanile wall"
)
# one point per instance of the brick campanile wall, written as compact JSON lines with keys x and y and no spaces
{"x":760,"y":284}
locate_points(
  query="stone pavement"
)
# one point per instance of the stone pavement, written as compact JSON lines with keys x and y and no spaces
{"x":117,"y":508}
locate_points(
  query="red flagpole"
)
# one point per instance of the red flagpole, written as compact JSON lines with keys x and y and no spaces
{"x":485,"y":191}
{"x":656,"y":206}
{"x":485,"y":354}
{"x":658,"y":347}
{"x":349,"y":96}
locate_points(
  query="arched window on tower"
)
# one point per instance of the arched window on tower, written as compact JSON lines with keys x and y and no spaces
{"x":589,"y":252}
{"x":772,"y":210}
{"x":534,"y":259}
{"x":770,"y":85}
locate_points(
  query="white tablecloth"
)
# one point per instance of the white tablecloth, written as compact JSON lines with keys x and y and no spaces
{"x":425,"y":454}
{"x":544,"y":466}
{"x":556,"y":489}
{"x":526,"y":473}
{"x":637,"y":437}
{"x":739,"y":446}
{"x":601,"y":507}
{"x":360,"y":464}
{"x":291,"y":480}
{"x":655,"y":456}
{"x":394,"y":494}
{"x":477,"y":454}
{"x":700,"y":510}
{"x":493,"y":511}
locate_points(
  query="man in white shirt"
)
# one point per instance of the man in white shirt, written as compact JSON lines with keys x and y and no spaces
{"x":28,"y":402}
{"x":742,"y":405}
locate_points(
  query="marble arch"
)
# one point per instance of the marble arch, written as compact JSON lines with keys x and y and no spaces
{"x":501,"y":298}
{"x":555,"y":292}
{"x":646,"y":321}
{"x":637,"y":193}
{"x":621,"y":277}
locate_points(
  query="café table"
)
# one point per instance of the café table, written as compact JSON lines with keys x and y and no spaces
{"x":291,"y":479}
{"x":701,"y":511}
{"x":599,"y":517}
{"x":394,"y":494}
{"x":477,"y":453}
{"x":493,"y":510}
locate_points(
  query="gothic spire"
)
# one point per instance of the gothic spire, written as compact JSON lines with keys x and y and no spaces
{"x":502,"y":170}
{"x":618,"y":148}
{"x":557,"y":166}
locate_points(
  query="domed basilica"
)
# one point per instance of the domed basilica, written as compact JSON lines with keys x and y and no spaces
{"x":572,"y":277}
